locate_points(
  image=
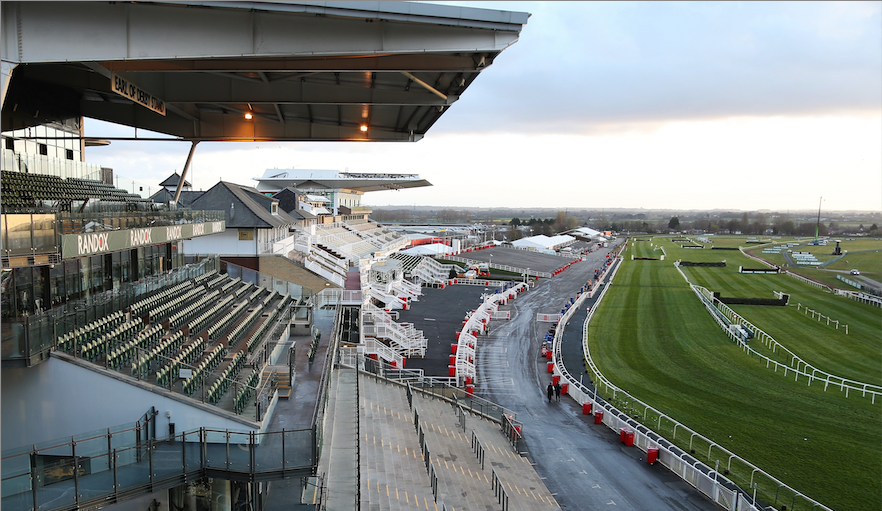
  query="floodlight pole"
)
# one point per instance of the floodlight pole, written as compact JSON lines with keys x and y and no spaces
{"x":818,"y":225}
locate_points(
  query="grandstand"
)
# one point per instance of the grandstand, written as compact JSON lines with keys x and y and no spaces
{"x":23,"y":191}
{"x":164,"y":327}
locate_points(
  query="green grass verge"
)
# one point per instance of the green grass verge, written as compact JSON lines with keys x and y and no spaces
{"x":652,"y":337}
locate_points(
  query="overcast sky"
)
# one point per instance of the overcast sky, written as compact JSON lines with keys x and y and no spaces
{"x":694,"y":105}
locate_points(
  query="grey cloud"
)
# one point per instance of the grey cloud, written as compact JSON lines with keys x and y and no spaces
{"x":581,"y":65}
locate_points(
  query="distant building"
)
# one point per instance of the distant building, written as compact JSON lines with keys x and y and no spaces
{"x":342,"y":191}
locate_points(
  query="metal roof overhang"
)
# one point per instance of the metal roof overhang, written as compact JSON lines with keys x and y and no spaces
{"x":306,"y":71}
{"x":363,"y":185}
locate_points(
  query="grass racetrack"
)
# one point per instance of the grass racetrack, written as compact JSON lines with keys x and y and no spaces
{"x":652,"y":337}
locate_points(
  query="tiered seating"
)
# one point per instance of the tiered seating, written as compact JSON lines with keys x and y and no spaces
{"x":220,"y":387}
{"x":272,"y":296}
{"x":229,"y":285}
{"x":119,"y":353}
{"x":408,"y":262}
{"x":244,"y":289}
{"x":258,"y":334}
{"x":256,"y":294}
{"x":206,"y":366}
{"x":146,"y":340}
{"x":245,"y":391}
{"x":141,"y":307}
{"x":70,"y":342}
{"x":329,"y":251}
{"x":170,"y":307}
{"x":286,"y":301}
{"x":234,"y":315}
{"x":199,"y":323}
{"x":22,"y":190}
{"x":179,"y":318}
{"x":205,"y":277}
{"x":216,"y":281}
{"x":163,"y":349}
{"x":165,"y":375}
{"x":110,"y":343}
{"x":238,"y":332}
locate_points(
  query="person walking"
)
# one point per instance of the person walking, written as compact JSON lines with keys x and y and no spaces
{"x":557,"y":391}
{"x":550,"y":391}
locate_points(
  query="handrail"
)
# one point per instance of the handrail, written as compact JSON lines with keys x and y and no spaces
{"x":277,"y":454}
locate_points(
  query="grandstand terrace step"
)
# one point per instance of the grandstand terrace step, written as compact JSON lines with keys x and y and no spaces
{"x":463,"y":472}
{"x":393,"y":470}
{"x":456,"y":465}
{"x":341,"y":465}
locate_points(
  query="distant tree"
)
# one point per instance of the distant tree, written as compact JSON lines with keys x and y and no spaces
{"x":874,"y":227}
{"x":674,"y":223}
{"x":515,"y":221}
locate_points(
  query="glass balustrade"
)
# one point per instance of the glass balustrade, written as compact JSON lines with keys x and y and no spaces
{"x":99,"y":465}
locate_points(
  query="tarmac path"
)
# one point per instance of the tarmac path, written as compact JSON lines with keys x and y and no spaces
{"x":583,"y":465}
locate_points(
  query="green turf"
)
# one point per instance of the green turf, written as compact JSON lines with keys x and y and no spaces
{"x":652,"y":337}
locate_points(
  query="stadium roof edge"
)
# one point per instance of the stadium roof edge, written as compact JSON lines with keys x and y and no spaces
{"x":247,"y":71}
{"x":473,"y":17}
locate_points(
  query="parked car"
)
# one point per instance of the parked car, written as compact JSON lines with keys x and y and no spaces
{"x":855,"y":272}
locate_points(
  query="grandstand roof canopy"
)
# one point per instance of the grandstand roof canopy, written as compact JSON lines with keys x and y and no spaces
{"x":304,"y":71}
{"x":320,"y":179}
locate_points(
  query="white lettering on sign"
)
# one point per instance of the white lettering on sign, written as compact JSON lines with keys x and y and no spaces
{"x":217,"y":226}
{"x":140,"y":237}
{"x":91,"y":243}
{"x":173,"y":232}
{"x":198,"y":229}
{"x":129,"y":90}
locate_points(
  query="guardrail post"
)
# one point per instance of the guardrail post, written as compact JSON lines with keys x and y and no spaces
{"x":76,"y":466}
{"x":115,"y":477}
{"x":227,"y":435}
{"x":150,"y":460}
{"x":252,"y":448}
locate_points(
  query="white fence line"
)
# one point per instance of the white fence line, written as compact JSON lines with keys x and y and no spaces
{"x":797,"y":366}
{"x":681,"y":464}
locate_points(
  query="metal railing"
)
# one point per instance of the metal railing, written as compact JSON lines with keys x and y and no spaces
{"x":115,"y":466}
{"x":708,"y":481}
{"x":441,"y":388}
{"x":499,"y":491}
{"x":477,"y":447}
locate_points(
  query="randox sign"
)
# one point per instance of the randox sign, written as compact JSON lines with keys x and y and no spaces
{"x":78,"y":245}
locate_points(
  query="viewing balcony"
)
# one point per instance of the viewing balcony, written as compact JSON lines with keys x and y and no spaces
{"x":105,"y":467}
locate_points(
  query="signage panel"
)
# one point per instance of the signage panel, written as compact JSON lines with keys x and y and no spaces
{"x":125,"y":88}
{"x":79,"y":245}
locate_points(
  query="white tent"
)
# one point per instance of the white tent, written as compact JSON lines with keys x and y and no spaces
{"x":543,"y":242}
{"x":428,"y":250}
